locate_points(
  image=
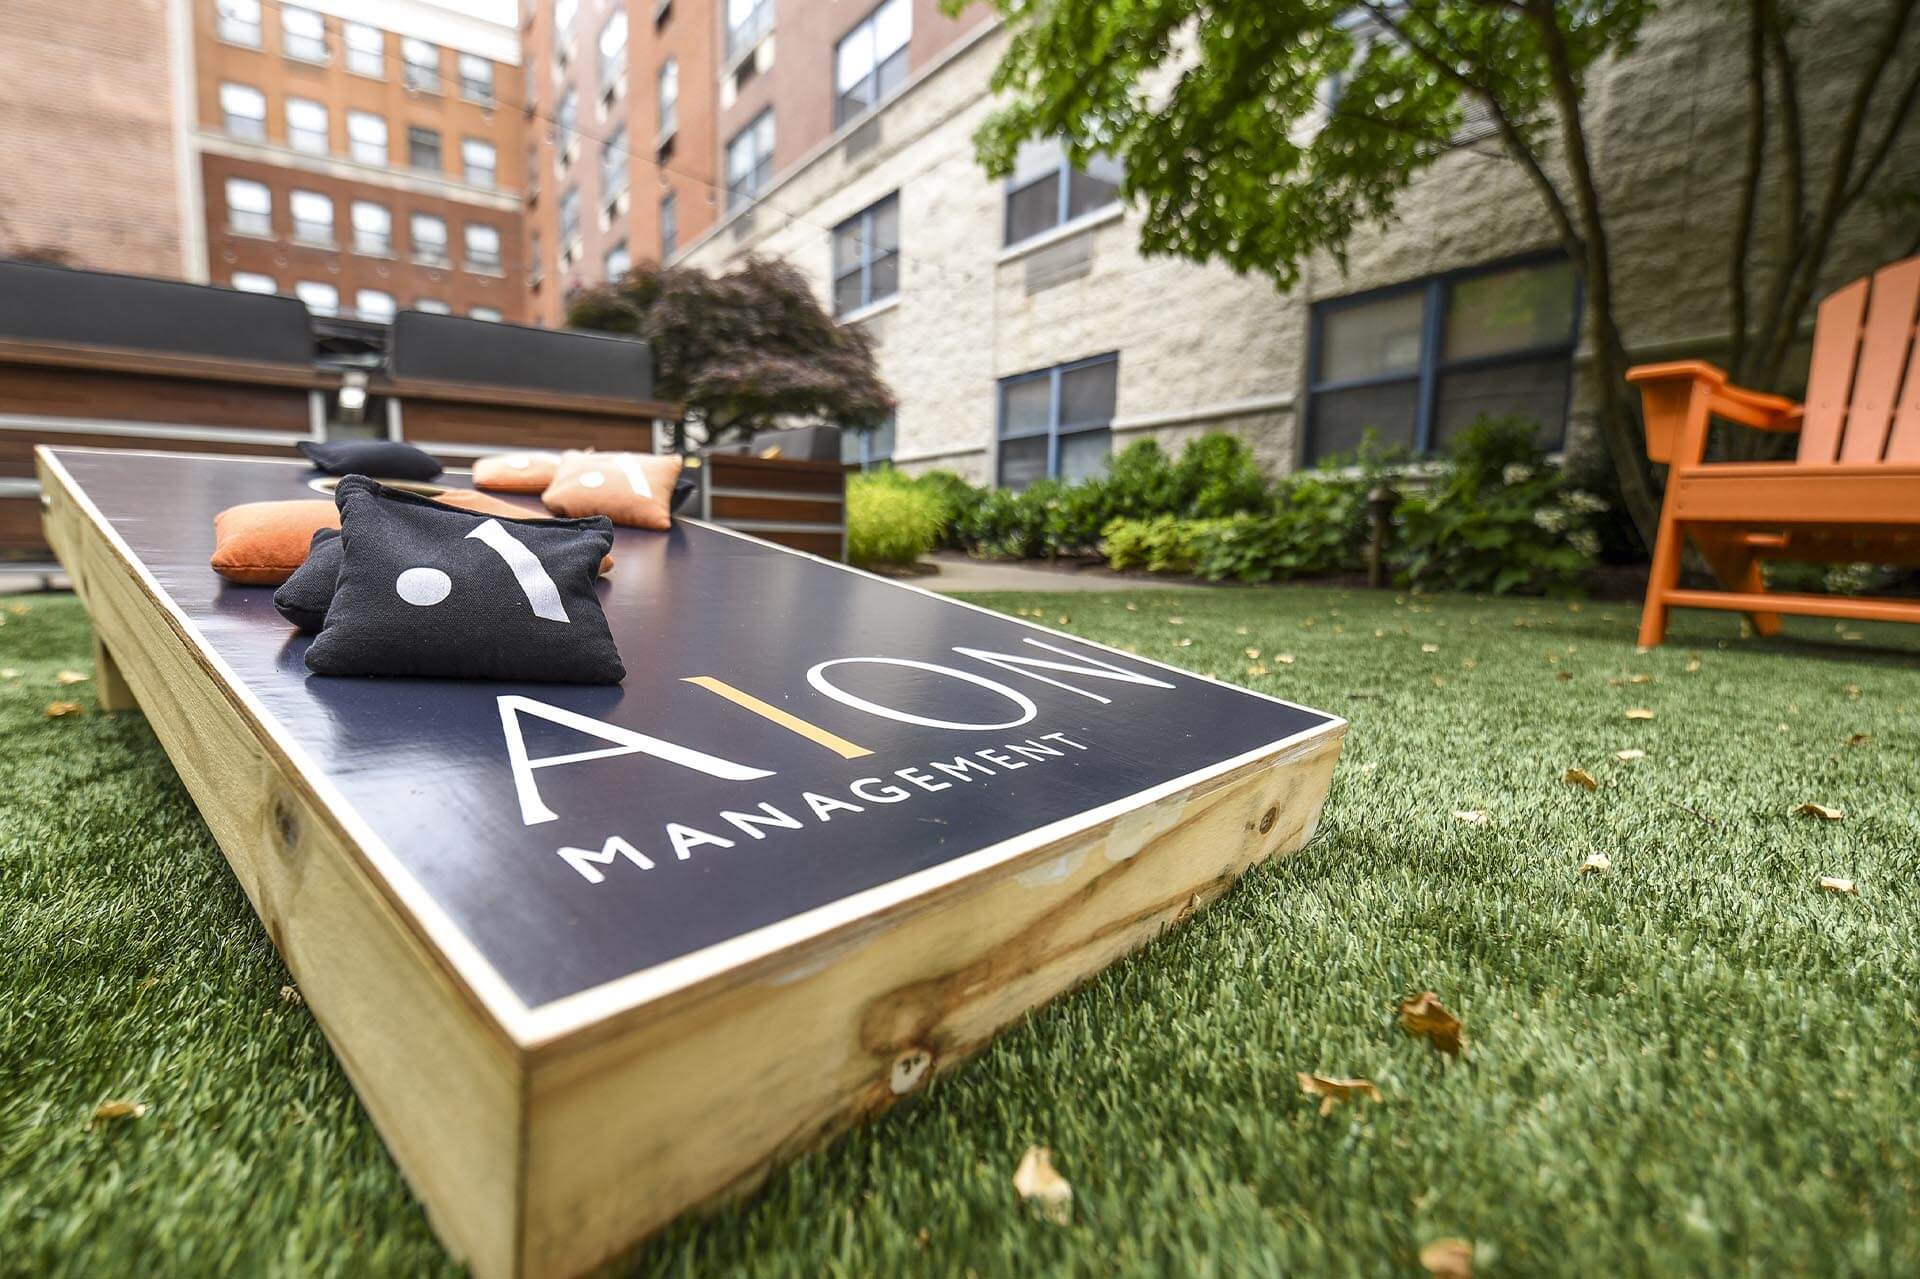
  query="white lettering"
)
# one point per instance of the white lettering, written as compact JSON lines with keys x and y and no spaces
{"x":960,"y":767}
{"x":687,"y":838}
{"x":885,"y":795}
{"x":824,"y":806}
{"x":818,"y":678}
{"x":534,"y":811}
{"x":1005,"y":761}
{"x":1062,"y":738}
{"x":751,"y":823}
{"x":1019,"y":666}
{"x":585,"y":859}
{"x":920,"y":779}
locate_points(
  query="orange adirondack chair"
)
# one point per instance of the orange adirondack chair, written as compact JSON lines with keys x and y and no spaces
{"x":1851,"y":496}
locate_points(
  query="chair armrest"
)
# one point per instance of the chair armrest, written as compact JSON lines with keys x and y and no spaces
{"x":1683,"y":394}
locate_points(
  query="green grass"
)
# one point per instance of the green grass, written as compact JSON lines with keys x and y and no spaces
{"x":1696,"y":1063}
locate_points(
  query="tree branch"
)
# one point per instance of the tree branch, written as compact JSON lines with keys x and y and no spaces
{"x":1793,"y":224}
{"x":1750,"y":182}
{"x":1903,"y":113}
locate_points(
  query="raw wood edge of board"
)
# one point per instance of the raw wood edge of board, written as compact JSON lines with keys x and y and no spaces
{"x":696,"y":1108}
{"x":445,"y":1091}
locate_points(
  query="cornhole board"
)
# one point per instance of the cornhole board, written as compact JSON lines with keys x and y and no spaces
{"x":595,"y":956}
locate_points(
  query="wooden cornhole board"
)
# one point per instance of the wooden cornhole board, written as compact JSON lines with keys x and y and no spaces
{"x":567,"y":1031}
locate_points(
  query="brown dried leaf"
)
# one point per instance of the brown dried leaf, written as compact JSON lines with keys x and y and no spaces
{"x":1184,"y":643}
{"x":1429,"y":648}
{"x":1253,"y":654}
{"x":1563,"y":676}
{"x":1580,"y":777}
{"x":292,"y":995}
{"x":1853,"y":692}
{"x":1448,"y":1259}
{"x":1693,"y":665}
{"x":1811,"y":809}
{"x":1639,"y":712}
{"x":116,"y":1108}
{"x":1425,"y":1017}
{"x":1258,"y":668}
{"x":1285,"y":659}
{"x":1858,"y":739}
{"x":1176,"y":621}
{"x":1037,"y":1183}
{"x":20,"y":610}
{"x":1596,"y":864}
{"x":1629,"y":755}
{"x":70,"y":677}
{"x":59,"y":710}
{"x":1835,"y":884}
{"x":1332,"y":1092}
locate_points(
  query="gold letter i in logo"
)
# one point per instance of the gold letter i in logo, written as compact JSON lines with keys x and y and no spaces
{"x":792,"y":723}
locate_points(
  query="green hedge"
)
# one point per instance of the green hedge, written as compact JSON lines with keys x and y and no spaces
{"x":1493,"y":515}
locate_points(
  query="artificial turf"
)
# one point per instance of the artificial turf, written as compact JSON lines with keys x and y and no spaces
{"x":1697,"y":1062}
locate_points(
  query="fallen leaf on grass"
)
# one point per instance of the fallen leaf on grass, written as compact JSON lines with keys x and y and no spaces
{"x":1858,"y":739}
{"x":1332,"y":1092}
{"x":1448,"y":1259}
{"x":1693,"y":665}
{"x":1185,"y":643}
{"x":1853,"y":692}
{"x":108,"y":1111}
{"x":70,"y":677}
{"x":1258,"y":668}
{"x":1176,"y":621}
{"x":1429,"y":648}
{"x":1835,"y":884}
{"x":1563,"y":676}
{"x":1470,"y":816}
{"x":59,"y":710}
{"x":1628,"y":756}
{"x":20,"y":610}
{"x":1425,"y":1017}
{"x":1811,"y":809}
{"x":9,"y":673}
{"x":1037,"y":1183}
{"x":1133,"y":608}
{"x":1253,"y":654}
{"x":1596,"y":864}
{"x":1285,"y":659}
{"x":292,"y":995}
{"x":1639,"y":712}
{"x":1580,"y":777}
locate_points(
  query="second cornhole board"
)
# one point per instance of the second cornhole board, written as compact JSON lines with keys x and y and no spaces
{"x":595,"y":956}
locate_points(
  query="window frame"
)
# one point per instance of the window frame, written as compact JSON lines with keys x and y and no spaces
{"x":332,"y":308}
{"x":233,"y":282}
{"x":482,"y":263}
{"x":614,"y":166}
{"x":384,"y":249}
{"x":669,"y":225}
{"x":288,"y":37}
{"x":569,"y":212}
{"x":226,"y":195}
{"x":862,"y":224}
{"x":761,"y":171}
{"x":443,"y":254}
{"x":609,"y":65}
{"x":606,"y":262}
{"x":295,"y":221}
{"x":293,"y":104}
{"x":377,"y":50}
{"x":667,"y":106}
{"x":863,"y":441}
{"x":226,"y":24}
{"x":1432,"y":366}
{"x":461,"y":62}
{"x":354,"y":144}
{"x":750,"y":31}
{"x":1055,"y":428}
{"x":439,"y":149}
{"x":412,"y":70}
{"x":870,"y":26}
{"x":1062,"y":171}
{"x":227,"y":116}
{"x":491,"y":169}
{"x":360,"y":311}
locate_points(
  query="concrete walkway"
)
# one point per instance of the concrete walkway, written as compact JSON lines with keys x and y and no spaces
{"x":959,"y":573}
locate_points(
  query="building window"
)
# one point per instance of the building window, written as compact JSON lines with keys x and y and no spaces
{"x":750,"y":161}
{"x":613,"y":165}
{"x":372,"y":229}
{"x":1045,"y":191}
{"x":868,"y":450}
{"x":480,"y":161}
{"x":613,"y":48}
{"x":476,"y":78}
{"x":423,"y":64}
{"x":533,"y":172}
{"x":249,"y":207}
{"x":668,"y":93}
{"x":321,"y":299}
{"x":367,"y":138}
{"x":566,"y":119}
{"x":488,"y":313}
{"x":423,"y":148}
{"x":429,"y":235}
{"x":238,"y":22}
{"x":433,"y":306}
{"x":253,"y":282}
{"x":866,"y":257}
{"x":312,"y":218}
{"x":243,"y":112}
{"x":366,"y":49}
{"x":1418,"y":363}
{"x":747,"y":21}
{"x":1055,"y":422}
{"x":870,"y":61}
{"x":669,"y":226}
{"x":564,"y":13}
{"x":483,"y":247}
{"x":372,"y":304}
{"x":536,"y":263}
{"x":303,"y":34}
{"x":569,"y":218}
{"x":619,"y":261}
{"x":306,"y":126}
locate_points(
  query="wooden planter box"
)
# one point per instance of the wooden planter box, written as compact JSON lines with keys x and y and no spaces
{"x":586,"y":991}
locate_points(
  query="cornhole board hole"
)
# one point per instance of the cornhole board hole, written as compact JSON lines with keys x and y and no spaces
{"x":595,"y":956}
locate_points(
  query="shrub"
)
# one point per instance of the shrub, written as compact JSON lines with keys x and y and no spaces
{"x":957,"y":499}
{"x":891,"y":518}
{"x":1498,"y":518}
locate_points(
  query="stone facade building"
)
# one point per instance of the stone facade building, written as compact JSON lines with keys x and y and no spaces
{"x":1025,"y":334}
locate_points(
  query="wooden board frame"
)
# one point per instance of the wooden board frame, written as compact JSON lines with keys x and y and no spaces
{"x":547,"y":1141}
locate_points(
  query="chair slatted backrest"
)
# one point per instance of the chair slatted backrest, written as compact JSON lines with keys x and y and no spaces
{"x":1863,"y":391}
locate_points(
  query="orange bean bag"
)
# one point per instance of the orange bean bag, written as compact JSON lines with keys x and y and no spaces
{"x":635,"y":489}
{"x":515,"y":472}
{"x":261,"y":543}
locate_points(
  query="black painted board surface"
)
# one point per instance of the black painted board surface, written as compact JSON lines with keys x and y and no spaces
{"x":603,"y":856}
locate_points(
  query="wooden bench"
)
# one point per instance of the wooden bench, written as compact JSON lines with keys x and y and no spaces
{"x":1852,"y":495}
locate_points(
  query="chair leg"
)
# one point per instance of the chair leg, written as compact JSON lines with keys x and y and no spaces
{"x":1739,"y":570}
{"x":1663,"y":577}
